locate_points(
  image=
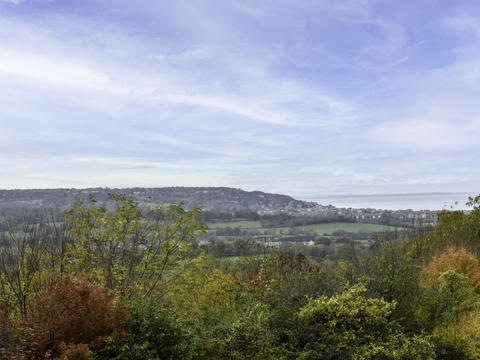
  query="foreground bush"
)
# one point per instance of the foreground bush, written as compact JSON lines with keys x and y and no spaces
{"x":351,"y":326}
{"x":70,"y":311}
{"x":460,"y":340}
{"x":457,"y":259}
{"x":154,"y":333}
{"x":452,"y":309}
{"x":252,"y":337}
{"x":75,"y":352}
{"x":451,"y":297}
{"x":208,"y":301}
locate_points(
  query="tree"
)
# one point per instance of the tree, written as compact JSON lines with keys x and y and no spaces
{"x":393,"y":276}
{"x":351,"y":326}
{"x":70,"y":311}
{"x":23,"y":254}
{"x":450,"y":297}
{"x":452,"y":311}
{"x":245,"y":247}
{"x":126,"y":251}
{"x":457,"y":259}
{"x":460,"y":340}
{"x":154,"y":333}
{"x":454,"y":229}
{"x":207,"y":300}
{"x":252,"y":337}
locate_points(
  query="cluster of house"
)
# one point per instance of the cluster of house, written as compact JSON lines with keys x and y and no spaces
{"x":369,"y":215}
{"x":391,"y":216}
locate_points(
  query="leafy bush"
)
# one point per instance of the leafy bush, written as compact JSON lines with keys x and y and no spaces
{"x":351,"y":326}
{"x":75,"y":352}
{"x":251,"y":336}
{"x":457,"y":259}
{"x":460,"y":340}
{"x":73,"y":312}
{"x":451,"y":297}
{"x":154,"y":333}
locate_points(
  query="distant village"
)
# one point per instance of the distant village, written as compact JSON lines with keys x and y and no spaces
{"x":368,"y":215}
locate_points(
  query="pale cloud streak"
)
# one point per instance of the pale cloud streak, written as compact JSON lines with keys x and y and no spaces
{"x":316,"y":96}
{"x":14,"y":2}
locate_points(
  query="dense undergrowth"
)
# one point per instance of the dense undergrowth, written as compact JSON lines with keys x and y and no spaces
{"x":125,"y":285}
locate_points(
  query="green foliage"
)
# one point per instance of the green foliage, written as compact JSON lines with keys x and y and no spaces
{"x":451,"y":296}
{"x":393,"y":276}
{"x":351,"y":326}
{"x":125,"y":251}
{"x":243,"y":224}
{"x":252,"y":337}
{"x":279,"y":304}
{"x":286,"y":280}
{"x":457,"y":259}
{"x":460,"y":340}
{"x":330,"y":228}
{"x":454,"y":229}
{"x":204,"y":296}
{"x":23,"y":264}
{"x":154,"y":333}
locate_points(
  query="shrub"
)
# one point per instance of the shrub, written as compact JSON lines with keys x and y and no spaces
{"x":457,"y":259}
{"x":73,"y":312}
{"x":75,"y":352}
{"x":251,"y":336}
{"x":351,"y":326}
{"x":460,"y":340}
{"x":153,"y":333}
{"x":451,"y":297}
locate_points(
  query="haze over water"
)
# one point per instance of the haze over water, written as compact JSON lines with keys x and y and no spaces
{"x":424,"y":201}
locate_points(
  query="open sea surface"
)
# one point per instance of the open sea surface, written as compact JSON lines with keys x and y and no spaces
{"x":426,"y":201}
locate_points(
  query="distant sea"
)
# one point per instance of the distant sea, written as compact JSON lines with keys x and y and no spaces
{"x":423,"y":201}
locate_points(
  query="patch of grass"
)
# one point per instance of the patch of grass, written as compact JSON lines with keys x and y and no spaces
{"x":242,"y":224}
{"x":320,"y":229}
{"x":329,"y":228}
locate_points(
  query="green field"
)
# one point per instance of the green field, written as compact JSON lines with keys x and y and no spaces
{"x":242,"y":224}
{"x":329,"y":228}
{"x":320,"y":229}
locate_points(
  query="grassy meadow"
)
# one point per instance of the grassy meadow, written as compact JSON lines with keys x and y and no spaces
{"x":320,"y":229}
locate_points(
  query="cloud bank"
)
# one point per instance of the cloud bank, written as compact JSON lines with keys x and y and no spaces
{"x":304,"y":98}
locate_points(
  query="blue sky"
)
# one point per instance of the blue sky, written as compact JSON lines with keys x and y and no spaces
{"x":305,"y":97}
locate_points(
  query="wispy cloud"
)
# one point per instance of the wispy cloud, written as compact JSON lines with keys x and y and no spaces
{"x":54,"y":71}
{"x":429,"y":131}
{"x":294,"y":97}
{"x":14,"y":2}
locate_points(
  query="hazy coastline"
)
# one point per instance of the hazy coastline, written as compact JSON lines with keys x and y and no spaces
{"x":419,"y":201}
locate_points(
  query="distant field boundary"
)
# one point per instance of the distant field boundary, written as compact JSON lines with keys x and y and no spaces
{"x":320,"y":229}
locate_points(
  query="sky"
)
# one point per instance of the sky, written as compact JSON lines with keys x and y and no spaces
{"x":306,"y":98}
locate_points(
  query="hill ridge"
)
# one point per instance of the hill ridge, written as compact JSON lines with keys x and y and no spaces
{"x":219,"y":198}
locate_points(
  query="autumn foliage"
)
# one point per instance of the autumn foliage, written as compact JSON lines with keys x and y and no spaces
{"x":457,"y":259}
{"x":70,"y":311}
{"x":75,"y":352}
